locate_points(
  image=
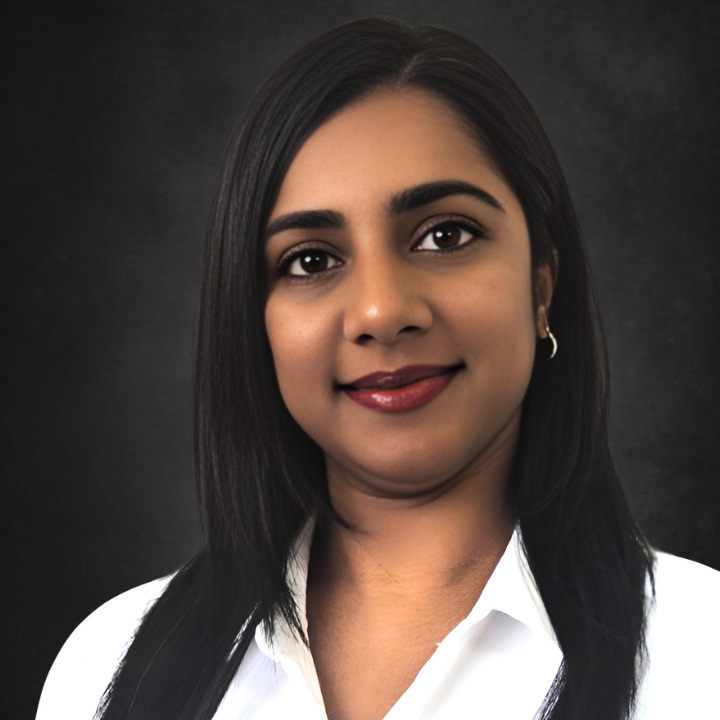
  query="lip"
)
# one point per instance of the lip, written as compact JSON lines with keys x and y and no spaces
{"x":403,"y":389}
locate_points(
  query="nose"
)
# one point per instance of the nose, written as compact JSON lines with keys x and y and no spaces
{"x":385,"y":300}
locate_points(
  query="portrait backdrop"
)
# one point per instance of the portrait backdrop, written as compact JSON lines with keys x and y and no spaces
{"x":115,"y":116}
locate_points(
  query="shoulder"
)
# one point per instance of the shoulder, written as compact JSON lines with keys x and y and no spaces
{"x":89,"y":657}
{"x":683,"y":636}
{"x":687,"y":595}
{"x":678,"y":576}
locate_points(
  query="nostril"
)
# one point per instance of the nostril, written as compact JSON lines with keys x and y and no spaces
{"x":410,"y":328}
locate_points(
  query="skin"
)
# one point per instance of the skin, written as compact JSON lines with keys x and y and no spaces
{"x":423,"y":490}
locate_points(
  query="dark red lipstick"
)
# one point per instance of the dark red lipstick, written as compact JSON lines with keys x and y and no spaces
{"x":403,"y":389}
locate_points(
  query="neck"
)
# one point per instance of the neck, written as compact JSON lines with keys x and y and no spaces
{"x":432,"y":542}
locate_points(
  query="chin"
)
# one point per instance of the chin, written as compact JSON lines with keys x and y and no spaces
{"x":411,"y":474}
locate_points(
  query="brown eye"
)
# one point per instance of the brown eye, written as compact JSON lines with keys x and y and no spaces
{"x":311,"y":262}
{"x":447,"y":236}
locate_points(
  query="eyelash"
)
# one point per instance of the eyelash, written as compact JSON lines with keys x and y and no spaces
{"x":296,"y":255}
{"x":474,"y":230}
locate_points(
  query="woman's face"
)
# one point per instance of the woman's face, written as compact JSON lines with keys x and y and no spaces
{"x":400,"y":307}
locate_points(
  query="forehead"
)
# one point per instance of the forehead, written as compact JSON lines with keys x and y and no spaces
{"x":381,"y":145}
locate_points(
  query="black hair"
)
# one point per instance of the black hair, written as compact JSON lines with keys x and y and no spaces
{"x":260,"y":477}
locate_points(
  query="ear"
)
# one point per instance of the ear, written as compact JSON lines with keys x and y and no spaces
{"x":545,"y":278}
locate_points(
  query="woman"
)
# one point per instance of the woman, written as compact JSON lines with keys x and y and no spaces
{"x":408,"y":499}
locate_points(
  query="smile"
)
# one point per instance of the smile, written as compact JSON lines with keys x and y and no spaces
{"x":404,"y":389}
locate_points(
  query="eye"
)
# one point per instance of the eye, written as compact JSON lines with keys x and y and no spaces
{"x":307,"y":262}
{"x":448,"y":236}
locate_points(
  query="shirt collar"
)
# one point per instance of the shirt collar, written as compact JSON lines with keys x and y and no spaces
{"x":511,"y":590}
{"x":284,"y":646}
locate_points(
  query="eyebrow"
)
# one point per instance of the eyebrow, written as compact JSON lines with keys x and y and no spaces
{"x":416,"y":197}
{"x":405,"y":201}
{"x":305,"y":220}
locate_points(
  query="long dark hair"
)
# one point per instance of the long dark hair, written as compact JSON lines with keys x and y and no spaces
{"x":260,"y":477}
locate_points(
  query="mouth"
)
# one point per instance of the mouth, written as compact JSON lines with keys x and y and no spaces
{"x":403,"y":389}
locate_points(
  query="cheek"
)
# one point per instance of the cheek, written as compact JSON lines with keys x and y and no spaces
{"x":496,"y":328}
{"x":494,"y":313}
{"x":301,"y":346}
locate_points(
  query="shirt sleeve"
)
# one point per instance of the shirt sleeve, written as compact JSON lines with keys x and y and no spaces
{"x":88,"y":659}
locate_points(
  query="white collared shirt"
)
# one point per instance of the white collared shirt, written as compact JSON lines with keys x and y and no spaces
{"x":498,"y":663}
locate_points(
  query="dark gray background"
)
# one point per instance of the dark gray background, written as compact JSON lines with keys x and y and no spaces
{"x":115,"y":116}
